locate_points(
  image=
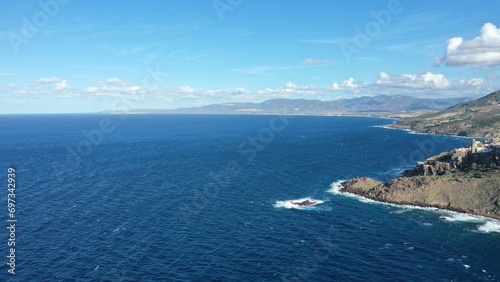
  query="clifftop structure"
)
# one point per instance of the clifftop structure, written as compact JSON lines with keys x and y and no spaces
{"x":480,"y":153}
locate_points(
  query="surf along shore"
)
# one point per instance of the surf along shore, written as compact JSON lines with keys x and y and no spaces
{"x":463,"y":180}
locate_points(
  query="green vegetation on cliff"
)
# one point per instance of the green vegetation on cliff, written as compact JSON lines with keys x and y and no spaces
{"x":477,"y":118}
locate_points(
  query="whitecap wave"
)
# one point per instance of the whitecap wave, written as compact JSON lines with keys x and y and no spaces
{"x":490,"y":226}
{"x":454,"y":216}
{"x":292,"y":204}
{"x":337,"y":185}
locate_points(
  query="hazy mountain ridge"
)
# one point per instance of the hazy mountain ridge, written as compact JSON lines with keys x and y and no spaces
{"x":376,"y":105}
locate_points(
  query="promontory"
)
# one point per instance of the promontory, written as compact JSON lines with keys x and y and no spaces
{"x":465,"y":179}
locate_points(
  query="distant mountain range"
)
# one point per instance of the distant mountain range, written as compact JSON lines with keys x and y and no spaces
{"x":478,"y":118}
{"x":382,"y":105}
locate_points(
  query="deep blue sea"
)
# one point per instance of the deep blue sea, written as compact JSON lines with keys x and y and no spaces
{"x":209,"y":198}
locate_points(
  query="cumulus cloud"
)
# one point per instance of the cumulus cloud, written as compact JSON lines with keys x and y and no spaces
{"x":52,"y":84}
{"x":290,"y":85}
{"x":115,"y":87}
{"x":476,"y":82}
{"x":241,"y":90}
{"x":413,"y":81}
{"x":311,"y":61}
{"x":422,"y":85}
{"x":347,"y":84}
{"x":61,"y":85}
{"x":482,"y":51}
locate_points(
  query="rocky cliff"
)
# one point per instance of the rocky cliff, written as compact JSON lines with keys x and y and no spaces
{"x":479,"y":196}
{"x":461,"y":180}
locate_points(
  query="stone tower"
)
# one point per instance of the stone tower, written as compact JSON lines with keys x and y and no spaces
{"x":473,"y":146}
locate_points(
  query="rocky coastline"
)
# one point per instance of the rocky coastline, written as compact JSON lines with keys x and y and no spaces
{"x":463,"y":180}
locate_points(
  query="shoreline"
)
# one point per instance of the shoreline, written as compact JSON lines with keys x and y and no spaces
{"x":358,"y":192}
{"x":337,"y":189}
{"x":341,"y":190}
{"x":412,"y":131}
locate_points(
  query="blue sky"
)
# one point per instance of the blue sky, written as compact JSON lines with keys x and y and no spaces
{"x":61,"y":56}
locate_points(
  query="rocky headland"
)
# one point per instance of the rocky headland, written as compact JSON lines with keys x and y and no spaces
{"x":464,"y":179}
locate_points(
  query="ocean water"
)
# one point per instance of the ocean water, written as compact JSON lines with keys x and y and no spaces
{"x":210,"y":198}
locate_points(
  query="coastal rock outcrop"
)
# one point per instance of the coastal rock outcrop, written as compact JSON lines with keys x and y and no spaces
{"x":462,"y":180}
{"x":479,"y":196}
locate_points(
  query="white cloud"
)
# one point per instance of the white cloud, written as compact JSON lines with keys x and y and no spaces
{"x":311,"y":61}
{"x":426,"y":84}
{"x":114,"y":80}
{"x":347,"y":84}
{"x":61,"y":85}
{"x":476,"y":82}
{"x":187,"y":90}
{"x":48,"y":80}
{"x":290,"y":90}
{"x":49,"y":84}
{"x":482,"y":51}
{"x":184,"y":95}
{"x":290,"y":85}
{"x":241,"y":90}
{"x":115,"y":87}
{"x":413,"y":81}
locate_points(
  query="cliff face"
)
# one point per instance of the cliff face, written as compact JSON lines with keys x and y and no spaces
{"x":465,"y":179}
{"x":479,"y":196}
{"x":462,"y":180}
{"x":461,"y":159}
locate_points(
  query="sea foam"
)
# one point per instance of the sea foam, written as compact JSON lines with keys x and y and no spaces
{"x":337,"y":185}
{"x":489,"y":225}
{"x":454,"y":216}
{"x":289,"y":204}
